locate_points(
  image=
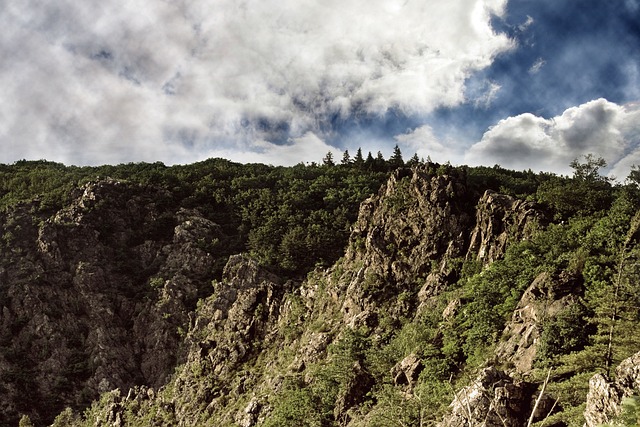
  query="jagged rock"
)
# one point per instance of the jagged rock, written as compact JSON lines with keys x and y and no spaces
{"x":605,"y":396}
{"x":93,"y":295}
{"x":451,"y":309}
{"x":406,"y":372}
{"x":248,"y":417}
{"x":493,"y":400}
{"x":230,"y":328}
{"x":500,"y":219}
{"x":417,"y":219}
{"x":544,"y":299}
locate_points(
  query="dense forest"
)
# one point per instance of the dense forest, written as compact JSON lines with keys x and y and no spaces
{"x":302,"y":224}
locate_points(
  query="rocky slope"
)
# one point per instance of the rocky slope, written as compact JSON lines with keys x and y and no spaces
{"x":604,"y":400}
{"x":95,"y":296}
{"x":116,"y":294}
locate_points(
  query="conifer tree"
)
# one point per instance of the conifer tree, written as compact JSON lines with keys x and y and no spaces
{"x":414,"y":160}
{"x":328,"y":159}
{"x":358,"y":160}
{"x":370,"y":162}
{"x":380,"y":164}
{"x":346,"y":158}
{"x":624,"y":301}
{"x":396,"y":161}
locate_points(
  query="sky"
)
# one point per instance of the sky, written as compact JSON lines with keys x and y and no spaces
{"x":526,"y":84}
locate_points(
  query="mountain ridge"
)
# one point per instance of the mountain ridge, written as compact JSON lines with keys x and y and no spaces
{"x":439,"y":280}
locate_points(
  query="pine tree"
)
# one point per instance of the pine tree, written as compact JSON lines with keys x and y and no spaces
{"x":414,"y":161}
{"x":396,"y":161}
{"x":358,"y":160}
{"x":370,"y":162}
{"x":380,"y":164}
{"x":625,"y":302}
{"x":328,"y":159}
{"x":346,"y":158}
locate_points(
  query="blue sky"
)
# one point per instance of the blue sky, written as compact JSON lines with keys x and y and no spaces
{"x":521,"y":83}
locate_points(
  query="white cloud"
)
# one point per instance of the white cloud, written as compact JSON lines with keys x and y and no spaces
{"x":127,"y":80}
{"x":537,"y":66}
{"x":306,"y":149}
{"x":527,"y":141}
{"x":526,"y":24}
{"x":423,"y":141}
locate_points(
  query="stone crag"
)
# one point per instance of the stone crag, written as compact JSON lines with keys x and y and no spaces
{"x":117,"y":294}
{"x":93,"y":296}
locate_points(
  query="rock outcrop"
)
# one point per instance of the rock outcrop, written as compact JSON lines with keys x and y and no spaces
{"x":94,"y":297}
{"x":543,"y":300}
{"x":228,"y":329}
{"x":605,"y":396}
{"x":495,"y":399}
{"x":501,"y":220}
{"x":404,"y":241}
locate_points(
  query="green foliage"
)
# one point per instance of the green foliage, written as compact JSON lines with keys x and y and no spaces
{"x":288,"y":218}
{"x":25,"y":421}
{"x":298,"y":406}
{"x":520,"y":184}
{"x":587,"y":193}
{"x":566,"y":332}
{"x":630,"y":416}
{"x":66,"y":418}
{"x":312,"y":404}
{"x":492,"y":295}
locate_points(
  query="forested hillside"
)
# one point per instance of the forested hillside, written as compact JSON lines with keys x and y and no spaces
{"x":365,"y":293}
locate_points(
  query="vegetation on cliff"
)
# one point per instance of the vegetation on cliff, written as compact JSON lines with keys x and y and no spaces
{"x":348,"y":310}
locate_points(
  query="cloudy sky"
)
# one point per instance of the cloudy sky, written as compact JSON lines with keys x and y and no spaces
{"x":521,"y":83}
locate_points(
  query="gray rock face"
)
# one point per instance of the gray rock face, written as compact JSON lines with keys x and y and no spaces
{"x":500,"y":220}
{"x":495,"y":399}
{"x":544,"y":299}
{"x":417,"y":220}
{"x":406,"y":372}
{"x":229,"y":328}
{"x":92,"y":297}
{"x":605,"y":396}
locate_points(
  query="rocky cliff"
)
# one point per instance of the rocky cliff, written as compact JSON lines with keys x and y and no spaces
{"x":94,"y":297}
{"x":605,"y":397}
{"x":116,"y":294}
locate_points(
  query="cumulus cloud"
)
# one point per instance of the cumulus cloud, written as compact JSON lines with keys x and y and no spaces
{"x":527,"y":141}
{"x":127,"y":80}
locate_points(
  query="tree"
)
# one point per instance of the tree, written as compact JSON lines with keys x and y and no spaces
{"x":413,"y":161}
{"x":634,"y":175}
{"x":589,"y":170}
{"x":370,"y":162}
{"x":346,"y":158}
{"x":396,"y":161}
{"x":379,"y":163}
{"x":328,"y":159}
{"x":624,"y":300}
{"x":358,"y":160}
{"x":588,"y":192}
